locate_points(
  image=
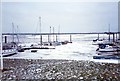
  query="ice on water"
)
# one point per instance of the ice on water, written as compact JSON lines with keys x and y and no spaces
{"x":80,"y":49}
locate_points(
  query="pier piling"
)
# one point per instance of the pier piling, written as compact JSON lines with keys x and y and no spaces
{"x":48,"y":38}
{"x":113,"y":37}
{"x":41,"y":40}
{"x":5,"y":39}
{"x":116,"y":36}
{"x":70,"y":38}
{"x":56,"y":38}
{"x":98,"y":36}
{"x":109,"y":37}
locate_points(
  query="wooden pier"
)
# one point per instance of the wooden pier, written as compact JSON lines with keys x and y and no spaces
{"x":60,"y":33}
{"x":114,"y":34}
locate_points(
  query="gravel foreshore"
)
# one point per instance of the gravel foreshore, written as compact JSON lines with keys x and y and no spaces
{"x":16,"y":69}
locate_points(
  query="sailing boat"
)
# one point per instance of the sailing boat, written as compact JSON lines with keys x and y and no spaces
{"x":40,"y":45}
{"x":9,"y":48}
{"x":54,"y":43}
{"x":108,"y":50}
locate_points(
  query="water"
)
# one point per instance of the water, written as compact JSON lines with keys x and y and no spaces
{"x":80,"y":49}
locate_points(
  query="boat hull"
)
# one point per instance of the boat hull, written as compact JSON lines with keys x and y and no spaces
{"x":9,"y":52}
{"x":106,"y":57}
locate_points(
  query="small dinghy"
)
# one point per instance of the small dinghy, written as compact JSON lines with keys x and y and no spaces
{"x":97,"y":42}
{"x":33,"y":51}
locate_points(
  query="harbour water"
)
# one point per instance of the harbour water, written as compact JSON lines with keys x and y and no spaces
{"x":71,"y":61}
{"x":81,"y":48}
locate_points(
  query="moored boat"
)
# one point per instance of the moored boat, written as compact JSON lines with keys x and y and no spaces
{"x":97,"y":42}
{"x":9,"y":49}
{"x":9,"y":52}
{"x":106,"y":57}
{"x":108,"y":48}
{"x":106,"y":51}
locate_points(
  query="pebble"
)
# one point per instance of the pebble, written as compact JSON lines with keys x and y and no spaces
{"x":60,"y":69}
{"x":81,"y":77}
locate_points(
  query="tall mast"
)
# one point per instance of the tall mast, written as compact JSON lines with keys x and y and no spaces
{"x":59,"y":32}
{"x":17,"y":34}
{"x":40,"y":32}
{"x":59,"y":29}
{"x":53,"y":34}
{"x":13,"y":32}
{"x":109,"y":32}
{"x":1,"y":56}
{"x":50,"y":35}
{"x":40,"y":23}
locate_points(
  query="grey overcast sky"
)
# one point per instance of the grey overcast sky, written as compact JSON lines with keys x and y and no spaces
{"x":71,"y":16}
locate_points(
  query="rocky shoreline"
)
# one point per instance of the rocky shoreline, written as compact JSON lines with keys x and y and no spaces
{"x":17,"y":69}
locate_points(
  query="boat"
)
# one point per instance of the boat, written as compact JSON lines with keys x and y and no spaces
{"x":33,"y":51}
{"x":108,"y":48}
{"x":107,"y":51}
{"x":65,"y":42}
{"x":106,"y":57}
{"x":97,"y":42}
{"x":9,"y":49}
{"x":9,"y":52}
{"x":41,"y":47}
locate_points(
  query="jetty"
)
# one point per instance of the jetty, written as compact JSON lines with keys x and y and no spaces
{"x":60,"y":33}
{"x":114,"y":34}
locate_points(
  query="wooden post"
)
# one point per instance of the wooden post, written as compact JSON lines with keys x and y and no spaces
{"x":116,"y":36}
{"x":5,"y":39}
{"x":109,"y":37}
{"x":70,"y":38}
{"x":56,"y":39}
{"x":48,"y":38}
{"x":53,"y":34}
{"x":41,"y":40}
{"x":113,"y":37}
{"x":98,"y":36}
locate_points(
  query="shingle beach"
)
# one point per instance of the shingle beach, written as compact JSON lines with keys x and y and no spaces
{"x":50,"y":69}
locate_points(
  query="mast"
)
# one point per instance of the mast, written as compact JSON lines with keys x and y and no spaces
{"x":50,"y":35}
{"x":53,"y":34}
{"x":13,"y":32}
{"x":17,"y":34}
{"x":109,"y":32}
{"x":59,"y":33}
{"x":40,"y":32}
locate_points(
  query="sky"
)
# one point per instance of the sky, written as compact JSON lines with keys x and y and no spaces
{"x":69,"y":16}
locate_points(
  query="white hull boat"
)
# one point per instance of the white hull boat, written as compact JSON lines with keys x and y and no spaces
{"x":8,"y":52}
{"x":42,"y":47}
{"x":109,"y":49}
{"x":97,"y":42}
